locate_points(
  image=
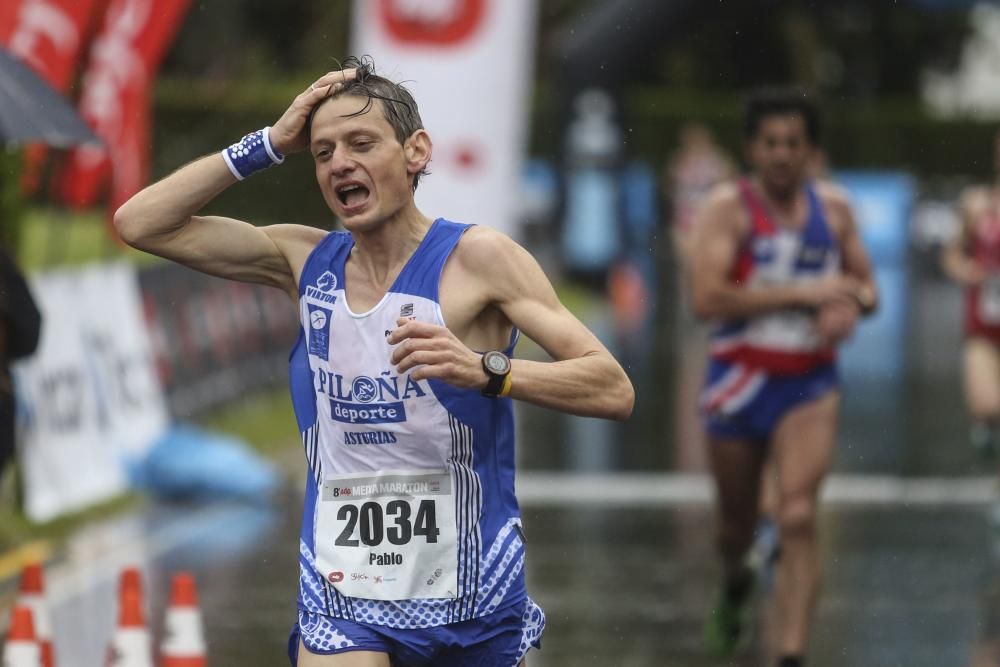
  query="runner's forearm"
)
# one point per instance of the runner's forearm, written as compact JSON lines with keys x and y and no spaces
{"x":167,"y":205}
{"x":731,"y":303}
{"x":591,"y":386}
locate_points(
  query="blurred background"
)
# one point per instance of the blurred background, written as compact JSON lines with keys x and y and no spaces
{"x":588,"y":130}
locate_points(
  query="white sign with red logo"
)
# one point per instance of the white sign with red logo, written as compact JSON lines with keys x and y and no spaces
{"x":468,"y":65}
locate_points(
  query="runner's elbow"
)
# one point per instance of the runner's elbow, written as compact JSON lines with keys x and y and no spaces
{"x":623,"y":401}
{"x":705,"y":304}
{"x":135,"y":227}
{"x":126,"y":226}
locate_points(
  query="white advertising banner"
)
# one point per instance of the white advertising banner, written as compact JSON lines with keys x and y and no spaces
{"x":468,"y":64}
{"x":89,"y":401}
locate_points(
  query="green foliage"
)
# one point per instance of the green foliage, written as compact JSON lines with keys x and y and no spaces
{"x":260,"y":39}
{"x":866,"y":50}
{"x":896,"y":133}
{"x":53,"y":237}
{"x":11,"y":205}
{"x":265,"y":420}
{"x":889,"y":134}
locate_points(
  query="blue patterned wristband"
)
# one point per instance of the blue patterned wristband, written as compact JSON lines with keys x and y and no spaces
{"x":251,"y":154}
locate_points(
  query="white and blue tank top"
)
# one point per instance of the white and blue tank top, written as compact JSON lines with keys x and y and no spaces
{"x":410,"y":518}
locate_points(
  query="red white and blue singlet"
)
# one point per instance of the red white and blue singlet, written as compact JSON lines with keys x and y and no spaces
{"x":762,"y":366}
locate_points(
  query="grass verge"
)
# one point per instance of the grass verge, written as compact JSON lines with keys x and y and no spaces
{"x":265,"y":420}
{"x":54,"y":238}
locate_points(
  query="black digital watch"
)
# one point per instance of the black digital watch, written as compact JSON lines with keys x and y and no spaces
{"x":497,"y":368}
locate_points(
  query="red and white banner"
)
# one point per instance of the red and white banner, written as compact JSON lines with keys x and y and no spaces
{"x":123,"y":63}
{"x":468,"y":64}
{"x":50,"y":36}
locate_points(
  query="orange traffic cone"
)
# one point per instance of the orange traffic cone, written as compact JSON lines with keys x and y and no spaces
{"x":131,"y":579}
{"x":184,"y":639}
{"x":32,"y":595}
{"x":131,"y":645}
{"x":21,"y":649}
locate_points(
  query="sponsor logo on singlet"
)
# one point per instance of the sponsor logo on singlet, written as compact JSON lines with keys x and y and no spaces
{"x":325,"y":284}
{"x":367,"y":400}
{"x":319,"y":331}
{"x":812,"y":255}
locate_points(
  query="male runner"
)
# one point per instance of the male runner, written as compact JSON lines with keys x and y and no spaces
{"x":412,"y":551}
{"x":779,"y":262}
{"x":972,"y":259}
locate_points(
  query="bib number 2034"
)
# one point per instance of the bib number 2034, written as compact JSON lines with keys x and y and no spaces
{"x":391,"y":535}
{"x":397,"y":524}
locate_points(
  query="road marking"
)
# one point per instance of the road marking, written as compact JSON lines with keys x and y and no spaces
{"x":97,"y":553}
{"x":659,"y":489}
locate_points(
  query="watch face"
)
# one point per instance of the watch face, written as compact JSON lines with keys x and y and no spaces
{"x":496,"y":362}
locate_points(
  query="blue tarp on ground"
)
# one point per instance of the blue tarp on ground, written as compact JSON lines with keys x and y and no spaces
{"x":189,"y":463}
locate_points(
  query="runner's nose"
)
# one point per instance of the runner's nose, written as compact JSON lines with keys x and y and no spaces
{"x":341,"y":163}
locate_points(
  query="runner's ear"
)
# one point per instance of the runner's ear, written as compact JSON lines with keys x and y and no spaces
{"x":418,"y":149}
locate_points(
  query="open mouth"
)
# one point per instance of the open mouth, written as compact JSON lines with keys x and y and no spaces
{"x":352,"y":194}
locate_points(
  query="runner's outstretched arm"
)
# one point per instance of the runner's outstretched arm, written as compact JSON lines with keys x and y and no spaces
{"x":584,"y":379}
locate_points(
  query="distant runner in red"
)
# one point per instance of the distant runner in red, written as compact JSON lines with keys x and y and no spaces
{"x":973,"y":260}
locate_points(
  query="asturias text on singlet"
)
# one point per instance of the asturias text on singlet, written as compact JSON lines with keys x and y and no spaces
{"x":369,"y":438}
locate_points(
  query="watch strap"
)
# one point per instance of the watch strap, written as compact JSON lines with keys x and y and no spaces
{"x":494,"y":384}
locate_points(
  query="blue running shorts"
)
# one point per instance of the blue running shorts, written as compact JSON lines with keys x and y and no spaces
{"x":747,"y":403}
{"x":500,"y":639}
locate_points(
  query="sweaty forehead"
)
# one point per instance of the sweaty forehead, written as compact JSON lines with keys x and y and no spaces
{"x":342,"y":114}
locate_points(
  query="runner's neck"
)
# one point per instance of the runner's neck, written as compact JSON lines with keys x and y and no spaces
{"x":785,"y":209}
{"x":380,"y":253}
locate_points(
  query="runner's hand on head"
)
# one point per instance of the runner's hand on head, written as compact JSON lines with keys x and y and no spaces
{"x":290,"y":133}
{"x":434,"y":352}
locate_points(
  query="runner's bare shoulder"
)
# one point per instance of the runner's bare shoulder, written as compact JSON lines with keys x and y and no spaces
{"x":295,"y":243}
{"x":293,"y":237}
{"x":832,"y":195}
{"x":836,"y":202}
{"x":484,"y":249}
{"x":724,"y":209}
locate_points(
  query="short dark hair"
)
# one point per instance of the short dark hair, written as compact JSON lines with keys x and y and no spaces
{"x":770,"y":101}
{"x":398,"y":105}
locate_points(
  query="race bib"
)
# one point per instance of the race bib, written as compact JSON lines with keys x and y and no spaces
{"x":989,"y":301}
{"x":388,"y":536}
{"x":784,"y":330}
